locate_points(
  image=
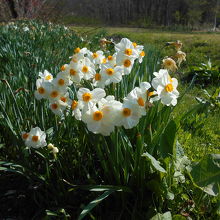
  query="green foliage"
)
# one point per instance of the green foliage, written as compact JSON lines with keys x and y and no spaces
{"x":206,"y":174}
{"x":206,"y":73}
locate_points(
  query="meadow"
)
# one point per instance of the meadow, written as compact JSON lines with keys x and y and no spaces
{"x":166,"y":166}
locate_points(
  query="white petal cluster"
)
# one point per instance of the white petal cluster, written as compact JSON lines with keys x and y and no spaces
{"x":35,"y":138}
{"x":166,"y":87}
{"x":101,"y":112}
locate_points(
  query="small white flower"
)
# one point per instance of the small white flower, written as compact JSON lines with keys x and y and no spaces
{"x":46,"y":76}
{"x":99,"y":80}
{"x":26,"y":29}
{"x":43,"y":88}
{"x":111,"y":74}
{"x":129,"y":115}
{"x":97,"y":57}
{"x":73,"y":70}
{"x":58,"y":107}
{"x":88,"y":98}
{"x":101,"y":120}
{"x":36,"y":138}
{"x":87,"y":69}
{"x":166,"y":87}
{"x":62,"y":81}
{"x":126,"y":47}
{"x":126,"y":62}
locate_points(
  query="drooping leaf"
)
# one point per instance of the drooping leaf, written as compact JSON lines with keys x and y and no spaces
{"x":206,"y":174}
{"x":94,"y":203}
{"x":154,"y":163}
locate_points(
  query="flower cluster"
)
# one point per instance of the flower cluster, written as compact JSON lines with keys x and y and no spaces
{"x":101,"y":112}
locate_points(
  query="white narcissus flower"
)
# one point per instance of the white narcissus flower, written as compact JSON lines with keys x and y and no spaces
{"x":79,"y":54}
{"x":111,"y":74}
{"x":88,"y":98}
{"x":36,"y":138}
{"x":97,"y":57}
{"x":73,"y":71}
{"x":65,"y":100}
{"x":126,"y":47}
{"x":87,"y":69}
{"x":125,"y":62}
{"x":62,"y":81}
{"x":55,"y":93}
{"x":129,"y":115}
{"x":43,"y":88}
{"x":166,"y":87}
{"x":99,"y":80}
{"x":102,"y":120}
{"x":111,"y":60}
{"x":58,"y":107}
{"x":46,"y":76}
{"x":138,"y":96}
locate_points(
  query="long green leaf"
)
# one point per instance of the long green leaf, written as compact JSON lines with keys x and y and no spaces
{"x":94,"y":203}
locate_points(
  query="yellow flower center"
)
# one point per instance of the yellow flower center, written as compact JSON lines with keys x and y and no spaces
{"x":127,"y":63}
{"x":25,"y":135}
{"x":169,"y":87}
{"x":98,"y":76}
{"x":41,"y":90}
{"x":142,"y":53}
{"x":140,"y":101}
{"x":110,"y":57}
{"x":63,"y":99}
{"x":134,"y":44}
{"x":48,"y":77}
{"x":128,"y":52}
{"x":85,"y":69}
{"x":149,"y":94}
{"x":35,"y":138}
{"x":63,"y":68}
{"x":97,"y":116}
{"x":104,"y":60}
{"x":61,"y":82}
{"x":110,"y":71}
{"x":87,"y":96}
{"x":95,"y":55}
{"x":126,"y":112}
{"x":54,"y":94}
{"x":77,"y":50}
{"x":54,"y":106}
{"x":74,"y":104}
{"x":72,"y":72}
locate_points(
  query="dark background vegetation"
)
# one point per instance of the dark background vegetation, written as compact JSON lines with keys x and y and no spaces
{"x":190,"y":14}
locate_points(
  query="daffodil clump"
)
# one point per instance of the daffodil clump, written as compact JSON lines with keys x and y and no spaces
{"x":102,"y":112}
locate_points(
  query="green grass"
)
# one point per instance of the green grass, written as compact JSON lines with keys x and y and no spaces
{"x":200,"y":135}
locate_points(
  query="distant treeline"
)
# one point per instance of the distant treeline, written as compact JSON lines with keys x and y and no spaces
{"x":190,"y":13}
{"x":145,"y":13}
